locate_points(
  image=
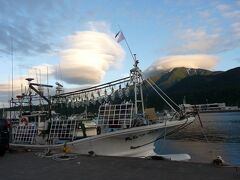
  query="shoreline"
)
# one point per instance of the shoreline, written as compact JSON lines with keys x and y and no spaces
{"x":221,"y":111}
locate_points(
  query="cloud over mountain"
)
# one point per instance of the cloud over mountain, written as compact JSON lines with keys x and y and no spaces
{"x":189,"y":61}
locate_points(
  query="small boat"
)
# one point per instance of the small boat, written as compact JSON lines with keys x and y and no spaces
{"x":124,"y":128}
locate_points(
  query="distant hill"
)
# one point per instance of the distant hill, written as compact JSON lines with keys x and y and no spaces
{"x":195,"y":85}
{"x":175,"y":75}
{"x":198,"y":86}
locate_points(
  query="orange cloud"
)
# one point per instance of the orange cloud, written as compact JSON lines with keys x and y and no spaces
{"x":189,"y":61}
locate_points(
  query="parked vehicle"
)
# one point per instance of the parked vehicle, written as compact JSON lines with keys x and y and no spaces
{"x":4,"y":136}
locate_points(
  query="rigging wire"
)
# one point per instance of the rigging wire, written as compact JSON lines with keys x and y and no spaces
{"x":163,"y":92}
{"x":164,"y":135}
{"x":161,"y":96}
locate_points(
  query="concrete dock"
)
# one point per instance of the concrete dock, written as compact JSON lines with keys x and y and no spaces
{"x":28,"y":165}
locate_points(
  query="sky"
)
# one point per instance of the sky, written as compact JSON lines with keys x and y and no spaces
{"x":73,"y":41}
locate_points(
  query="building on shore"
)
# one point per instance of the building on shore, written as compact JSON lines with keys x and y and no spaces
{"x":210,"y":107}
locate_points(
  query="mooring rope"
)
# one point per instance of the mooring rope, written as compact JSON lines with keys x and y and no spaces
{"x":162,"y":136}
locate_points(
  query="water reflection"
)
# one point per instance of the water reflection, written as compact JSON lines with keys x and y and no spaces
{"x":223,"y":138}
{"x":218,"y":127}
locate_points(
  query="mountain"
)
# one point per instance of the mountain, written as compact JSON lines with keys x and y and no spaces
{"x":175,"y":75}
{"x":195,"y":85}
{"x":199,"y":86}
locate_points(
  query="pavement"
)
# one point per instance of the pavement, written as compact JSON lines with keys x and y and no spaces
{"x":30,"y":166}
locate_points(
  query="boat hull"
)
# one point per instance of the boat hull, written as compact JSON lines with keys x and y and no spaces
{"x":132,"y":142}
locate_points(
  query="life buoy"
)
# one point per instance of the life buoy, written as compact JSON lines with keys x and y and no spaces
{"x":24,"y":121}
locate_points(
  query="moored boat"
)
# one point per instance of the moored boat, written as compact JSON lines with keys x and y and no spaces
{"x":120,"y":129}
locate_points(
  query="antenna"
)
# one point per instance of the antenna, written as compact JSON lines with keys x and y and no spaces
{"x":47,"y":83}
{"x":9,"y":91}
{"x":47,"y":75}
{"x":12,"y":63}
{"x":40,"y":74}
{"x":36,"y":71}
{"x":60,"y":73}
{"x":12,"y":76}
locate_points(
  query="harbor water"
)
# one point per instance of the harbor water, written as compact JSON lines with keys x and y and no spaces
{"x":220,"y":136}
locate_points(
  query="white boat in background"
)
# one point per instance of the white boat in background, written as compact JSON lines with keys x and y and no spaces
{"x":123,"y":129}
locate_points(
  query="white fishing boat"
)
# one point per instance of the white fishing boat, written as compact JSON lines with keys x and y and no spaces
{"x":122,"y":129}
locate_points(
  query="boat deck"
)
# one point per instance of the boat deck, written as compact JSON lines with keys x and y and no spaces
{"x":27,"y":165}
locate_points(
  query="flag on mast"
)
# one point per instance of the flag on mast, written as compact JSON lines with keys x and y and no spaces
{"x":119,"y":36}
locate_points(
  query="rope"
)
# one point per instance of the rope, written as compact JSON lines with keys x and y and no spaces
{"x":64,"y":156}
{"x":212,"y":153}
{"x":161,"y":96}
{"x":163,"y":92}
{"x":57,"y":156}
{"x":45,"y":154}
{"x":162,"y":136}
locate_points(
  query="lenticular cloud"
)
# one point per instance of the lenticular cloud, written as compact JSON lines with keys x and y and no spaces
{"x":88,"y":56}
{"x":188,"y":61}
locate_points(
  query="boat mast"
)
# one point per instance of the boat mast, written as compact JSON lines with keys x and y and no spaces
{"x":30,"y":93}
{"x":137,"y":80}
{"x":40,"y":93}
{"x":136,"y":77}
